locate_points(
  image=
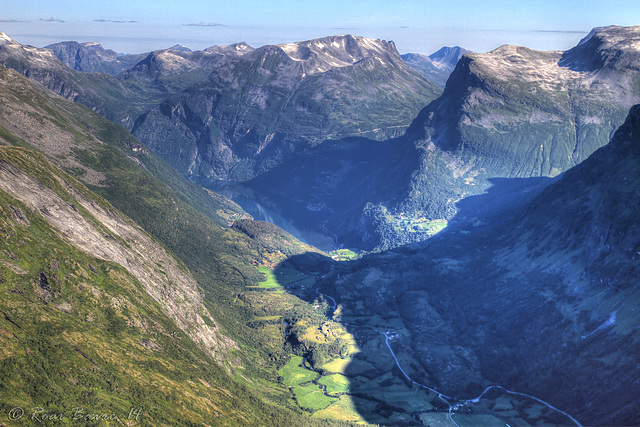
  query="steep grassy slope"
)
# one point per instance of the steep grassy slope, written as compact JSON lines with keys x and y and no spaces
{"x":545,"y":303}
{"x":99,"y":320}
{"x":222,"y":318}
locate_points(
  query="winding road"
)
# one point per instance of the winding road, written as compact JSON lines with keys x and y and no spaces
{"x":451,"y":402}
{"x":457,"y":404}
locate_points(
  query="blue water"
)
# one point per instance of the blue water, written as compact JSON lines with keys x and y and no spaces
{"x":248,"y":199}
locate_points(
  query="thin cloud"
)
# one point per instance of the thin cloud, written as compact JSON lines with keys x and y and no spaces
{"x":51,"y":20}
{"x":204,"y":24}
{"x":11,"y":20}
{"x":114,"y":21}
{"x":561,"y":31}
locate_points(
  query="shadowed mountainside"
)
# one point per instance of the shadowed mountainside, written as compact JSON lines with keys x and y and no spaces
{"x":545,"y":303}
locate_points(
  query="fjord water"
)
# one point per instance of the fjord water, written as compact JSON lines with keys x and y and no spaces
{"x":262,"y":208}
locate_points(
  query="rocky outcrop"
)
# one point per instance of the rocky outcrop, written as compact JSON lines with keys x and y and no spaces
{"x":18,"y":216}
{"x":91,"y":226}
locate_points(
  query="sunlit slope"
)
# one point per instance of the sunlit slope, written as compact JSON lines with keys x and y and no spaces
{"x":202,"y":284}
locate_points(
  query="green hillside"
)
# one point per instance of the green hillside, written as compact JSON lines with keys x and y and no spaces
{"x":238,"y":352}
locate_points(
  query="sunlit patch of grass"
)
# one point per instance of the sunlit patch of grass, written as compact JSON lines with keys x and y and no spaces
{"x":343,"y":254}
{"x":270,"y":281}
{"x":311,"y":397}
{"x":294,"y":374}
{"x":347,"y":408}
{"x":335,"y":384}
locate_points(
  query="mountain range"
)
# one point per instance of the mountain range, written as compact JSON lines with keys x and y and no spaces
{"x":509,"y":113}
{"x":501,"y":213}
{"x":91,"y":57}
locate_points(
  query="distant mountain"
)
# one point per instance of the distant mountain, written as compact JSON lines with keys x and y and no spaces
{"x":543,"y":304}
{"x":438,"y":66}
{"x":448,"y":57}
{"x":239,"y":48}
{"x":269,"y":103}
{"x":187,"y":105}
{"x":101,"y":92}
{"x":510,"y":113}
{"x":92,"y":57}
{"x":161,"y":66}
{"x":180,"y":48}
{"x":116,"y":98}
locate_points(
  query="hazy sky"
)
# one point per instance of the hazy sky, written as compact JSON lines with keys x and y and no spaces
{"x":421,"y":26}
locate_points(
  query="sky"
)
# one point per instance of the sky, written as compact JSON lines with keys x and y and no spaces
{"x":420,"y":26}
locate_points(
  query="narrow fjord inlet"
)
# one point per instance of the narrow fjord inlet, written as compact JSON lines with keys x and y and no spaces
{"x":258,"y":231}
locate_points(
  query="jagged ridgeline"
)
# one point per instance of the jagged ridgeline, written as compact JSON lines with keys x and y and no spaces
{"x":108,"y":315}
{"x":233,"y":111}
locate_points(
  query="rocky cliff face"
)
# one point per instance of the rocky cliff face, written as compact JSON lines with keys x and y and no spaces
{"x":254,"y":112}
